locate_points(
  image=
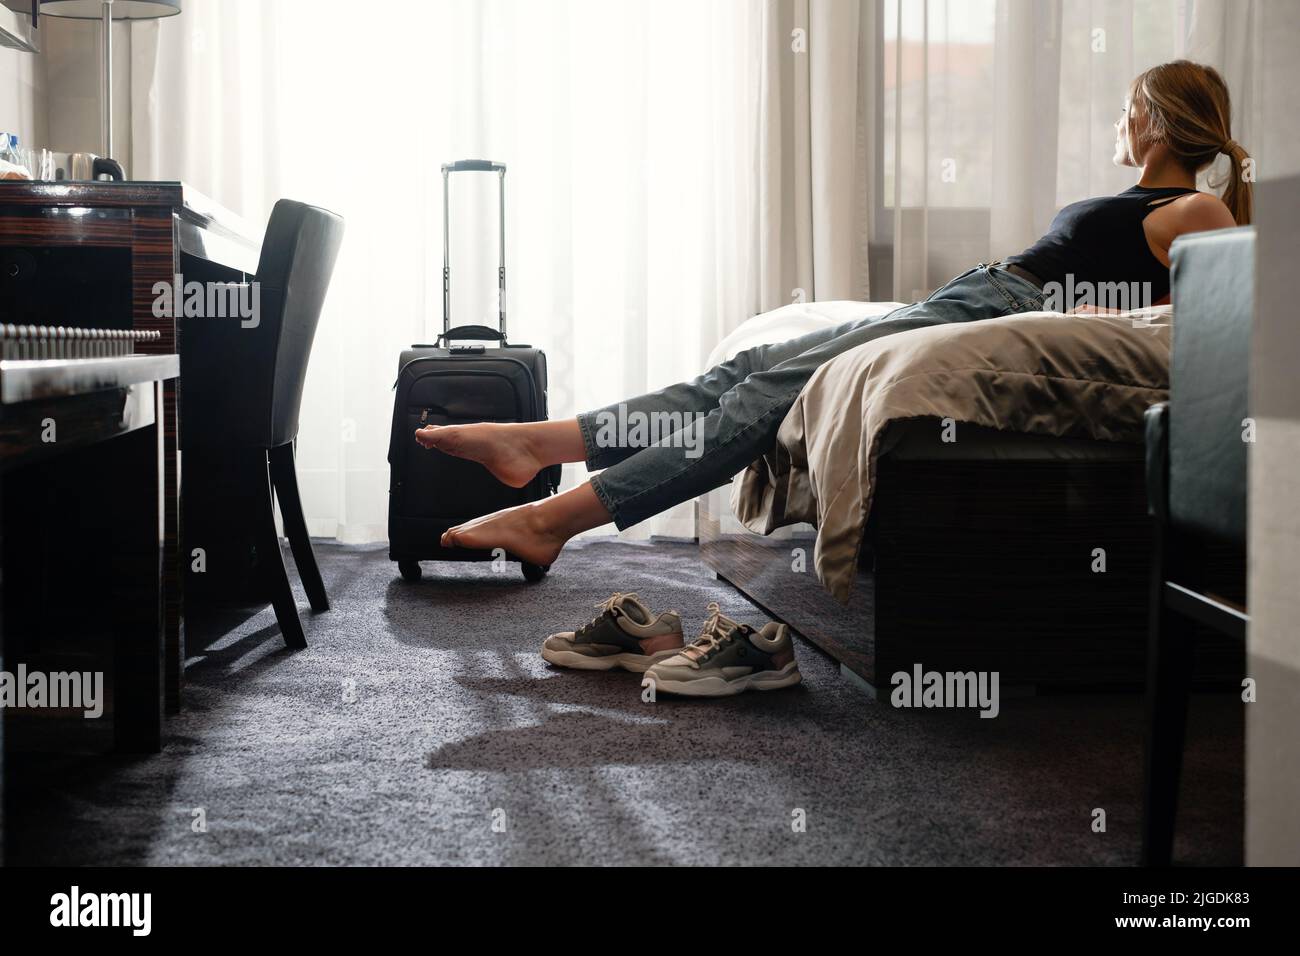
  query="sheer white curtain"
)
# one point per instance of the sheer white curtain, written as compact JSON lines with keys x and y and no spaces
{"x":998,"y":112}
{"x":815,"y":150}
{"x":629,"y":130}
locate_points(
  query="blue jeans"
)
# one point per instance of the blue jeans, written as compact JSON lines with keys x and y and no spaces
{"x":729,"y":416}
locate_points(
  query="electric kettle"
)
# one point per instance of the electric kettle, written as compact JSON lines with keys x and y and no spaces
{"x":85,"y":167}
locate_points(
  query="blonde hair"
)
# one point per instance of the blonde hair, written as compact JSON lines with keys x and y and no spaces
{"x":1188,"y":109}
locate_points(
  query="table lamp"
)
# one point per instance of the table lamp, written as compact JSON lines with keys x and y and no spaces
{"x":106,"y":11}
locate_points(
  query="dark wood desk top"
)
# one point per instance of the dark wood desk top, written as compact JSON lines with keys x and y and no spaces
{"x":28,"y":192}
{"x":207,"y":230}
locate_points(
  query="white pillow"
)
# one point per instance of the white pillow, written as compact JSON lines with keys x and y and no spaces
{"x":790,"y":321}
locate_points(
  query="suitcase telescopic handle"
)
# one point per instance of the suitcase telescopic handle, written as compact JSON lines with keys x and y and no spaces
{"x":478,"y":166}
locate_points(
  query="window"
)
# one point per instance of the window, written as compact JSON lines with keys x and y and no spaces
{"x":937,"y":74}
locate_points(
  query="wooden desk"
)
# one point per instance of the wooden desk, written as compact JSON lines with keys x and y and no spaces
{"x":86,"y":563}
{"x":89,"y":254}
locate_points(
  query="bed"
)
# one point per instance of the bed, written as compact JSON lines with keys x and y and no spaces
{"x":1013,"y":549}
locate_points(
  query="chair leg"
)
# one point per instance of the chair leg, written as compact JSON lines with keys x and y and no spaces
{"x":1169,"y":678}
{"x":272,"y":562}
{"x":285,"y":479}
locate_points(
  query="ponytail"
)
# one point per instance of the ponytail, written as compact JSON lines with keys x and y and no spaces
{"x":1238,"y":194}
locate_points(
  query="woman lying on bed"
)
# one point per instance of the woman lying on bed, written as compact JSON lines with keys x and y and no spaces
{"x":1176,"y":121}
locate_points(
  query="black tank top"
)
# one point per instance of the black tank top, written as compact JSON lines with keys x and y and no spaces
{"x":1101,"y":240}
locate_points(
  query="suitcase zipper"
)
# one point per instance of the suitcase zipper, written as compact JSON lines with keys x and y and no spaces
{"x":532,"y":379}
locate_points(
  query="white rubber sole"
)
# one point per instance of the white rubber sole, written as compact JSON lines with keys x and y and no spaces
{"x":636,"y":663}
{"x":716,"y":686}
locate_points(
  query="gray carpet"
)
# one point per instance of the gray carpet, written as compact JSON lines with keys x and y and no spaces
{"x":422,"y":714}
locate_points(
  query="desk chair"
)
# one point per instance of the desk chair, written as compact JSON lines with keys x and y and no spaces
{"x":241,"y":391}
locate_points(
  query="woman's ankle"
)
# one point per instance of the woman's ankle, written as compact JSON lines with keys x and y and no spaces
{"x":553,"y":442}
{"x":571,"y":512}
{"x":529,"y":442}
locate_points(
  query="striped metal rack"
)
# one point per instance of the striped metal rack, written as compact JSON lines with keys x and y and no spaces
{"x":59,"y":342}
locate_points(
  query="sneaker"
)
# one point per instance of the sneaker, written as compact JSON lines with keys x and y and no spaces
{"x":625,"y":634}
{"x":727,"y":658}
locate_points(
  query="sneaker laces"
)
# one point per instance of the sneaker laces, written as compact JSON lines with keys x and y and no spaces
{"x":718,"y":630}
{"x":618,"y":597}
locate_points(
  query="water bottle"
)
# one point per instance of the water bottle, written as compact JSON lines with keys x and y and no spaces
{"x":16,"y":156}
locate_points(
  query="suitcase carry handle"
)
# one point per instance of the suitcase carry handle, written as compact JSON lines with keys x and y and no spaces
{"x":481,"y":166}
{"x":471,"y":333}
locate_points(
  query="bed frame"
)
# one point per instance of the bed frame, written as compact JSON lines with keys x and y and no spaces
{"x":983,"y":560}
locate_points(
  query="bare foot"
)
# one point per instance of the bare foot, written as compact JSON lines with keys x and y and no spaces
{"x":500,"y":447}
{"x":521,"y":531}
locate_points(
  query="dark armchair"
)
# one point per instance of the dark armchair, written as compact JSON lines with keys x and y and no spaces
{"x":1197,"y":446}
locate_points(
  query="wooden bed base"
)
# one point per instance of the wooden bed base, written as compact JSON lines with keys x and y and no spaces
{"x":978,"y":564}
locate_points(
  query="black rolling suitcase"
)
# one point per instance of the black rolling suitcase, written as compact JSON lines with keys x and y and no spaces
{"x":447,"y":384}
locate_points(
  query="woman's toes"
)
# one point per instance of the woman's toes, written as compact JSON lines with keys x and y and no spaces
{"x":492,"y":445}
{"x":443,"y":437}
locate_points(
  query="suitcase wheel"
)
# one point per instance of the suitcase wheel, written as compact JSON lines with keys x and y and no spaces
{"x":410,"y":570}
{"x":534,"y":572}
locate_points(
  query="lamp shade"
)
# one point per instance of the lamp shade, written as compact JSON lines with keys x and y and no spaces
{"x":121,"y":9}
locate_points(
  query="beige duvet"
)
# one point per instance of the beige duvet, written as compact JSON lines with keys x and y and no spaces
{"x":1043,"y":373}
